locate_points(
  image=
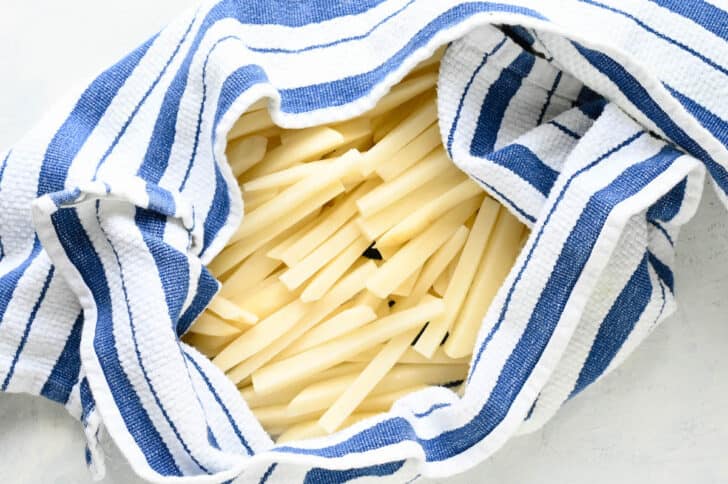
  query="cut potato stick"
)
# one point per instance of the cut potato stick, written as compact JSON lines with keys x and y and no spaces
{"x":385,"y":401}
{"x":251,"y":272}
{"x":311,"y":429}
{"x":261,"y":335}
{"x":298,"y":149}
{"x":254,"y":200}
{"x":206,"y":344}
{"x":321,"y":395}
{"x":250,"y":123}
{"x":285,"y":395}
{"x":342,"y":323}
{"x":331,"y":220}
{"x":402,"y":93}
{"x":279,"y":249}
{"x":284,"y":178}
{"x":382,"y":221}
{"x":244,"y":153}
{"x":211,"y":325}
{"x":227,"y":309}
{"x":437,"y":264}
{"x":503,"y":248}
{"x":405,"y":289}
{"x":277,"y":416}
{"x":268,"y":213}
{"x":235,"y":252}
{"x":396,"y":139}
{"x":354,"y":129}
{"x":344,"y":290}
{"x":309,"y":265}
{"x":406,"y":261}
{"x":333,"y":271}
{"x":269,"y":299}
{"x":428,"y":213}
{"x":410,"y":356}
{"x":365,"y":382}
{"x":439,"y":287}
{"x":409,"y":181}
{"x":329,"y":354}
{"x":461,"y":279}
{"x":410,"y":154}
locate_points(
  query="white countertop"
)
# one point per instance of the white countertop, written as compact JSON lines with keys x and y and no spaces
{"x":661,"y":417}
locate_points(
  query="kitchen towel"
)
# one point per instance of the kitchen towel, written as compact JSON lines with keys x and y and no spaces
{"x":594,"y":122}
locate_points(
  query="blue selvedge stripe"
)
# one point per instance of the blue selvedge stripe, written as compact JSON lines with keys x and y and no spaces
{"x":590,"y":103}
{"x":335,"y":42}
{"x":327,"y":476}
{"x":171,"y":265}
{"x":710,"y":121}
{"x":668,"y":206}
{"x":82,"y":254}
{"x":549,"y":95}
{"x":224,"y":408}
{"x":348,"y":89}
{"x":564,"y":129}
{"x":505,"y":199}
{"x":703,"y":13}
{"x":434,"y":407}
{"x":641,"y":98}
{"x":662,"y":270}
{"x":530,"y":346}
{"x":140,"y":361}
{"x":662,"y":229}
{"x":526,"y":165}
{"x":9,"y":281}
{"x":496,"y":102}
{"x":660,"y":35}
{"x":88,"y":404}
{"x":617,"y":325}
{"x":65,"y":372}
{"x":28,"y":325}
{"x":144,"y":98}
{"x":207,"y":287}
{"x":461,"y":102}
{"x":268,"y":472}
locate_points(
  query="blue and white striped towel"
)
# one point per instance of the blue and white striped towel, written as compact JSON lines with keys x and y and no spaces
{"x":593,"y":121}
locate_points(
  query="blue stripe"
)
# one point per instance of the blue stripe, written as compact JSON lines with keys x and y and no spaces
{"x":160,"y":200}
{"x":217,"y":217}
{"x":564,"y":129}
{"x":506,"y":200}
{"x":335,"y":42}
{"x":214,"y":393}
{"x":87,"y":400}
{"x":662,"y":36}
{"x":207,"y":287}
{"x":549,"y":95}
{"x":327,"y":476}
{"x":662,"y":229}
{"x":268,"y":473}
{"x":668,"y":206}
{"x":662,"y":270}
{"x":526,"y":165}
{"x":514,"y":373}
{"x":300,"y":12}
{"x":617,"y":326}
{"x":590,"y":103}
{"x":434,"y":407}
{"x":140,"y":361}
{"x":346,"y":90}
{"x":499,"y":97}
{"x":27,"y":327}
{"x":4,"y":164}
{"x":82,"y":254}
{"x":9,"y":281}
{"x":458,"y":111}
{"x":65,"y":372}
{"x":640,"y":97}
{"x":701,"y":12}
{"x":710,"y":121}
{"x":172,"y":266}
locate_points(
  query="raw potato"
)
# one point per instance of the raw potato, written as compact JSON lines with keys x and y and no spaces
{"x":329,"y":310}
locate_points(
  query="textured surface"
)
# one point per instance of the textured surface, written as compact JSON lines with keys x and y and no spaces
{"x":648,"y":420}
